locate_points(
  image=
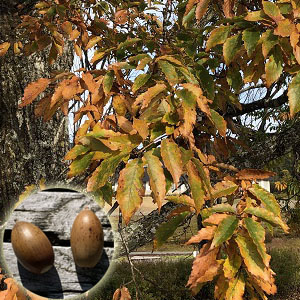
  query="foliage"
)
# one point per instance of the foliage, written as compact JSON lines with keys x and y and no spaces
{"x":155,"y":95}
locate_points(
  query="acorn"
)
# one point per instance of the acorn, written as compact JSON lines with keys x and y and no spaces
{"x":32,"y":248}
{"x":87,"y":239}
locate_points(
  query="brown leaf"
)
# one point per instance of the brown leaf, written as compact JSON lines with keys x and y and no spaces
{"x":142,"y":127}
{"x":125,"y":294}
{"x":253,"y":174}
{"x":201,"y":9}
{"x":205,"y":266}
{"x":33,"y":90}
{"x":189,"y":6}
{"x":228,"y":8}
{"x":89,"y":80}
{"x":121,"y":16}
{"x":206,"y":233}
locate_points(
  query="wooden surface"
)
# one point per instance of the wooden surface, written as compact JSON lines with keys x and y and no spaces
{"x":54,"y":213}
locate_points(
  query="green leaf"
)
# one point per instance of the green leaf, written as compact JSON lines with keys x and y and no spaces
{"x":196,"y":185}
{"x":274,"y":66}
{"x":250,"y":39}
{"x":232,"y":262}
{"x":207,"y":82}
{"x":188,"y":17}
{"x":157,"y":177}
{"x":234,"y":79}
{"x":224,"y":231}
{"x":267,"y":216}
{"x":158,"y":130}
{"x":140,"y":81}
{"x":128,"y":43}
{"x":166,"y":230}
{"x":186,"y":155}
{"x":203,"y":174}
{"x":268,"y":41}
{"x":293,"y":95}
{"x":219,"y":122}
{"x":188,"y":75}
{"x":169,"y":70}
{"x":130,"y":188}
{"x":221,"y":208}
{"x":189,"y":98}
{"x":257,"y":233}
{"x":171,"y":156}
{"x":218,"y":36}
{"x":272,"y":10}
{"x":80,"y":164}
{"x":104,"y":194}
{"x":251,"y":256}
{"x":266,"y":198}
{"x":76,"y":151}
{"x":105,"y":170}
{"x":108,"y":82}
{"x":231,"y":47}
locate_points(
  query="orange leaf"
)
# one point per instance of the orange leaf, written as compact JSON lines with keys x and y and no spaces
{"x":228,"y":8}
{"x":125,"y":294}
{"x":89,"y":80}
{"x":142,"y":127}
{"x":201,"y":9}
{"x":3,"y":48}
{"x":11,"y":290}
{"x":33,"y":90}
{"x":189,"y":6}
{"x":252,"y":174}
{"x":285,"y":27}
{"x":117,"y":294}
{"x":121,"y":16}
{"x":206,"y":233}
{"x":205,"y":267}
{"x":215,"y":219}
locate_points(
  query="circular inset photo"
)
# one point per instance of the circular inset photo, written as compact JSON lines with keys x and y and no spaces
{"x":58,"y":243}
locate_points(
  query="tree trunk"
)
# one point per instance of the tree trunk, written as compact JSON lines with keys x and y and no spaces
{"x":30,"y":149}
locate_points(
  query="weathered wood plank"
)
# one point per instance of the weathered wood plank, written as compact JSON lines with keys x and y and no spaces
{"x":65,"y":278}
{"x":56,"y":211}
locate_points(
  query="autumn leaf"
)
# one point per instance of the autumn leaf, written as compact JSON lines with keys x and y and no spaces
{"x":231,"y":47}
{"x":250,"y":39}
{"x":272,"y":10}
{"x":268,"y":40}
{"x":214,"y":219}
{"x":80,"y":164}
{"x":121,"y":16}
{"x":253,"y":174}
{"x":293,"y":95}
{"x":274,"y":66}
{"x":157,"y":177}
{"x":257,"y":233}
{"x":205,"y":267}
{"x":140,"y":81}
{"x":169,"y":70}
{"x":267,"y":216}
{"x":224,"y":231}
{"x":108,"y":82}
{"x":141,"y":127}
{"x":93,"y":41}
{"x":204,"y":176}
{"x":106,"y":169}
{"x":233,"y":261}
{"x":117,"y":294}
{"x":146,"y":97}
{"x":92,"y":85}
{"x":266,"y":198}
{"x":236,"y":288}
{"x":125,"y":295}
{"x":171,"y":156}
{"x":4,"y":48}
{"x":76,"y":151}
{"x":182,"y":199}
{"x":201,"y":9}
{"x":221,"y":208}
{"x":218,"y":36}
{"x":167,"y":229}
{"x":130,"y":188}
{"x":224,"y":188}
{"x":196,"y":185}
{"x":128,"y":43}
{"x":219,"y":122}
{"x":285,"y":28}
{"x":10,"y":293}
{"x":33,"y":90}
{"x":251,"y":257}
{"x":206,"y":233}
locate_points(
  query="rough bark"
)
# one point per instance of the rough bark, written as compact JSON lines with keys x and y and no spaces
{"x":30,"y":149}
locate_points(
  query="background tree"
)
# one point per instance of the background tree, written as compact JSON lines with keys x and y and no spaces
{"x":31,"y":149}
{"x":165,"y":91}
